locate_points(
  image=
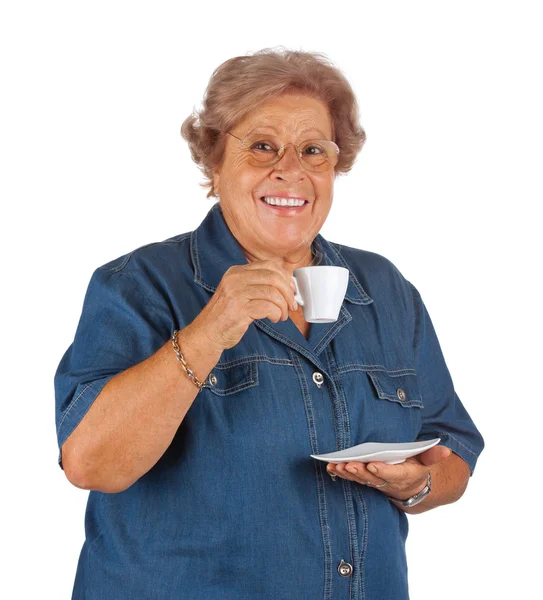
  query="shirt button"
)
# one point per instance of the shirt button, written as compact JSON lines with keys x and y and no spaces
{"x":345,"y":569}
{"x":212,"y":379}
{"x":318,"y":378}
{"x":401,"y":394}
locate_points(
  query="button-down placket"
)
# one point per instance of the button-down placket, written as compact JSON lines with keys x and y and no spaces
{"x":316,"y":368}
{"x":328,"y":427}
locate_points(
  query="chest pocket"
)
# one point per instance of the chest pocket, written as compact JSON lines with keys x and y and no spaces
{"x":397,"y":386}
{"x":230,"y":378}
{"x":392,"y":408}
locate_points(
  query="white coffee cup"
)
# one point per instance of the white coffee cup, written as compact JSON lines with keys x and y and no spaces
{"x":320,"y":292}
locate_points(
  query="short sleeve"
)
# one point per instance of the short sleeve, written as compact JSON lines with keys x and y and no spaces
{"x":119,"y":327}
{"x":443,"y":415}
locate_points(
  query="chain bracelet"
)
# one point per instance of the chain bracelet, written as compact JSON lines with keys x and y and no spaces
{"x":181,"y":359}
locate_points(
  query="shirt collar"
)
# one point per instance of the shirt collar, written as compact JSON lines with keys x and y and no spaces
{"x":214,"y":249}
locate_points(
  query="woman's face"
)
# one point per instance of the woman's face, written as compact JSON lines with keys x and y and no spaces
{"x":265,"y":231}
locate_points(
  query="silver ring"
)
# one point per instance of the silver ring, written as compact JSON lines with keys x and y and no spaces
{"x":380,"y":485}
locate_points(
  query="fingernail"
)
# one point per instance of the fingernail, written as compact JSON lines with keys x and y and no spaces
{"x":352,"y":470}
{"x":372,"y":469}
{"x":295,"y":305}
{"x":292,"y":285}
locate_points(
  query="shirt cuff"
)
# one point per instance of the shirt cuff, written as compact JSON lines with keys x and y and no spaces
{"x":85,"y":394}
{"x":457,"y":445}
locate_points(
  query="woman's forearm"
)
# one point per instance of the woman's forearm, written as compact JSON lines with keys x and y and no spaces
{"x":449,"y":481}
{"x":134,"y":419}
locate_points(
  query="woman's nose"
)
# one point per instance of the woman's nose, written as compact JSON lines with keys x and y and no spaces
{"x":289,"y":165}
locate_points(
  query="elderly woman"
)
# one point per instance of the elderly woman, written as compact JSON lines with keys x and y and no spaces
{"x":195,"y":392}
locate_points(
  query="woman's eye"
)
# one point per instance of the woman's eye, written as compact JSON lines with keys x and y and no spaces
{"x":313,"y":150}
{"x":262,"y":146}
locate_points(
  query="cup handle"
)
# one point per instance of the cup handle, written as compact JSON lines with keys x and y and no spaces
{"x":297,"y":296}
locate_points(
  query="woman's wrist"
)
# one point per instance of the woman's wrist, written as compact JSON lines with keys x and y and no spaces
{"x":200,"y":352}
{"x":415,"y":498}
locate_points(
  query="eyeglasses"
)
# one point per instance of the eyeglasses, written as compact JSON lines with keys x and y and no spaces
{"x":265,"y":150}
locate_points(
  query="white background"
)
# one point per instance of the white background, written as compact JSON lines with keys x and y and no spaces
{"x":92,"y":163}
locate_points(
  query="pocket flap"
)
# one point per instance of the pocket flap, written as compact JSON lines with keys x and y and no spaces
{"x":397,"y":386}
{"x":229,"y":379}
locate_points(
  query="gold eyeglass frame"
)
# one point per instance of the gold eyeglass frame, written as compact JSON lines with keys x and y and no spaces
{"x":280,"y":153}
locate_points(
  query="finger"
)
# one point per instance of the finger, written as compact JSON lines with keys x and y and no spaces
{"x":355,"y":471}
{"x":277,"y":278}
{"x":274,"y":264}
{"x":339,"y":469}
{"x":264,"y":309}
{"x":271,"y":294}
{"x":405,"y":477}
{"x":360,"y":471}
{"x":434,"y":455}
{"x":395,"y":474}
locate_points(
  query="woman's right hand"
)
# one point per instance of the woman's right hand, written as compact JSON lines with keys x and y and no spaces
{"x":258,"y":290}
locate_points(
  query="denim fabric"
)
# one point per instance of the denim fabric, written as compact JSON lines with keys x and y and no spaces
{"x":236,"y":509}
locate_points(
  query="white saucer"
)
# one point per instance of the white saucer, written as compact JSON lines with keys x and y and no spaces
{"x":391,"y":454}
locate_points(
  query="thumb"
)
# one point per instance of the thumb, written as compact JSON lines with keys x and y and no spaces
{"x":434,"y":455}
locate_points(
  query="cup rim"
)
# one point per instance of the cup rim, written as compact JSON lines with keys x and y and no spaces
{"x":320,"y":267}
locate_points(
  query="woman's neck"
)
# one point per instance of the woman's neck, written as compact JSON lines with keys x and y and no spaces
{"x":288,"y":264}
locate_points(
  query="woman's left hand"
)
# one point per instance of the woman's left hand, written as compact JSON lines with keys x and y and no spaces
{"x":396,"y":481}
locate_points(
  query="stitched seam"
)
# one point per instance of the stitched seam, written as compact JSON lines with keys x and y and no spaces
{"x":337,"y":391}
{"x":251,"y":382}
{"x":408,"y":404}
{"x":252,"y":361}
{"x":361,"y":580}
{"x":308,"y":410}
{"x":336,"y":248}
{"x":289,"y":342}
{"x":178,"y":238}
{"x":254,"y":373}
{"x":130,"y":254}
{"x":339,"y":395}
{"x":321,"y":487}
{"x":337,"y":433}
{"x":254,"y":358}
{"x":458,"y":442}
{"x":338,"y":325}
{"x":411,"y":403}
{"x":72,"y":404}
{"x":361,"y":367}
{"x":351,"y":527}
{"x":196,"y":257}
{"x":234,"y":389}
{"x":377,"y":385}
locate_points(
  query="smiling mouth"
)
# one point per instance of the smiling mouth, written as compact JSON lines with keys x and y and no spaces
{"x":286,"y":203}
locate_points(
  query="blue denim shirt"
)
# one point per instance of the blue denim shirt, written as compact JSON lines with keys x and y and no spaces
{"x":236,"y":509}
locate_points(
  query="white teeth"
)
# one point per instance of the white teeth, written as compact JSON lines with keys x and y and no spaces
{"x":283,"y":201}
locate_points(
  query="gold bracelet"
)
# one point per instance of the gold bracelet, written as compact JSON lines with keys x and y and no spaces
{"x":199,"y":384}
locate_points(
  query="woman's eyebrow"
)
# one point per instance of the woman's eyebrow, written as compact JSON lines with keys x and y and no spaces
{"x":314,"y":129}
{"x":275,"y":131}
